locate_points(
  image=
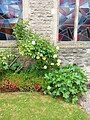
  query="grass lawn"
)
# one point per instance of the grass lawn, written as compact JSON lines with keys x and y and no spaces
{"x":34,"y":106}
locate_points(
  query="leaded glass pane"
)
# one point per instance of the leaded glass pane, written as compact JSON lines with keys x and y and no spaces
{"x":10,"y":13}
{"x":84,"y":21}
{"x":66,"y":20}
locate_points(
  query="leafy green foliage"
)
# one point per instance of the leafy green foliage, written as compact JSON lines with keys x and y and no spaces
{"x":42,"y":52}
{"x":16,"y":66}
{"x":4,"y":59}
{"x":68,"y":82}
{"x":9,"y":61}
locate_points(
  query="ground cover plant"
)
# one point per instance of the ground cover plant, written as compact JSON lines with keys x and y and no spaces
{"x":34,"y":106}
{"x":24,"y":81}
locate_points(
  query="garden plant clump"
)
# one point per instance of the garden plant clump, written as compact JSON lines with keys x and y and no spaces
{"x":68,"y":82}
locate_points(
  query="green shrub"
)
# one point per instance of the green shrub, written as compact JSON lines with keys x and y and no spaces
{"x":68,"y":82}
{"x":42,"y":52}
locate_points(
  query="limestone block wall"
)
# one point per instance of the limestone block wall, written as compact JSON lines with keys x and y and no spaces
{"x":41,"y":17}
{"x":76,"y":53}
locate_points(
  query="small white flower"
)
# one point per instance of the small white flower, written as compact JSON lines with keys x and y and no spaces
{"x":38,"y":53}
{"x":52,"y":63}
{"x":55,"y":56}
{"x":58,"y":61}
{"x":45,"y":67}
{"x":58,"y":64}
{"x":48,"y":88}
{"x":41,"y":55}
{"x":4,"y":58}
{"x":37,"y":57}
{"x":33,"y":42}
{"x":44,"y":58}
{"x":57,"y":48}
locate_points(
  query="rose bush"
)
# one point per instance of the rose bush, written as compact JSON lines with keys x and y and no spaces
{"x":37,"y":48}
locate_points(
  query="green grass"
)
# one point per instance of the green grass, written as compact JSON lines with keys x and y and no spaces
{"x":34,"y":106}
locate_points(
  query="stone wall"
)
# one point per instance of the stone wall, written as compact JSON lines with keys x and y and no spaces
{"x":41,"y":17}
{"x":76,"y":53}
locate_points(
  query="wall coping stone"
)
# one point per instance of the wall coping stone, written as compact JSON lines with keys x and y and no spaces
{"x":8,"y":44}
{"x":73,"y":44}
{"x":61,"y":44}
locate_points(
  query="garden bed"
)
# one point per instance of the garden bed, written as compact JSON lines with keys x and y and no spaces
{"x":21,"y":82}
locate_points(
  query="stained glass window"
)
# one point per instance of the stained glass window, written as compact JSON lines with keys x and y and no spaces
{"x":84,"y":21}
{"x":66,"y":20}
{"x":10,"y":13}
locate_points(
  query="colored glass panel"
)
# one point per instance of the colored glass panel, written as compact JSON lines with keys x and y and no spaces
{"x":66,"y":20}
{"x":84,"y":21}
{"x":10,"y":13}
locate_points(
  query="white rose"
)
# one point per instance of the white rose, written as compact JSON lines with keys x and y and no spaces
{"x":52,"y":63}
{"x":55,"y":56}
{"x":58,"y":64}
{"x":41,"y":55}
{"x":38,"y":53}
{"x":4,"y":58}
{"x":45,"y":67}
{"x":33,"y":42}
{"x":57,"y":48}
{"x":58,"y":61}
{"x":44,"y":58}
{"x":48,"y":87}
{"x":37,"y":57}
